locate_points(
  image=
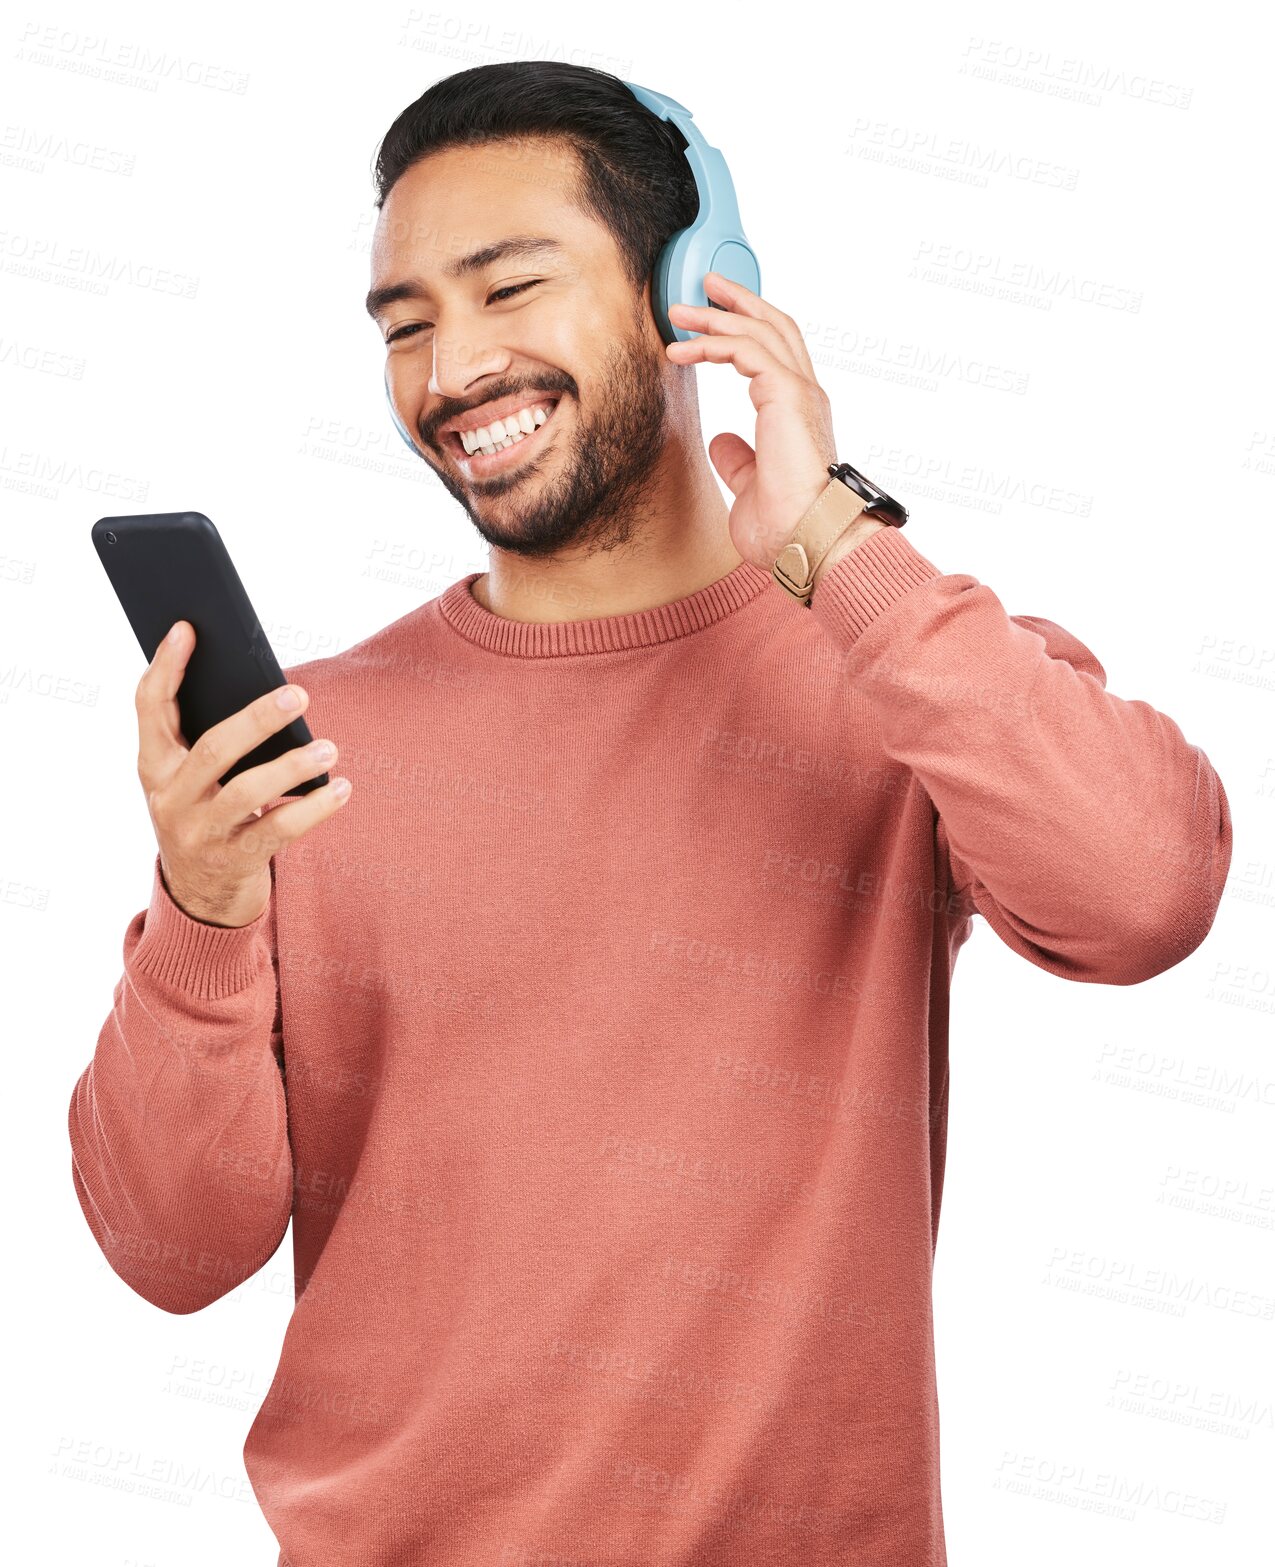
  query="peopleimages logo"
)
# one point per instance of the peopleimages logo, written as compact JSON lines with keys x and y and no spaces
{"x":952,"y":157}
{"x":125,"y":64}
{"x":1065,"y":76}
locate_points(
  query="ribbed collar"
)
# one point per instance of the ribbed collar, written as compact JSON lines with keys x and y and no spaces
{"x":610,"y":633}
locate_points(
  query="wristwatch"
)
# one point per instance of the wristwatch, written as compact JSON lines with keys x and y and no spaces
{"x":847,"y":496}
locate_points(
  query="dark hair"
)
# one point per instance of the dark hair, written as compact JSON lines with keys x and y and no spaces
{"x":632,"y":173}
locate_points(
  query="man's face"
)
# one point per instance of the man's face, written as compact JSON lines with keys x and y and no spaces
{"x":580,"y":342}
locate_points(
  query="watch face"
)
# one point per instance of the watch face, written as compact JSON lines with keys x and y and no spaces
{"x":856,"y":481}
{"x":879,"y":503}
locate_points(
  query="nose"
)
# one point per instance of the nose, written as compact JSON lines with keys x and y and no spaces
{"x":460,"y":358}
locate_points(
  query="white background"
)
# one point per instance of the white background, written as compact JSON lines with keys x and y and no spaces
{"x":1028,"y":252}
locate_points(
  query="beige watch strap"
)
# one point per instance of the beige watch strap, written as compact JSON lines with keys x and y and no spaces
{"x":821,"y":527}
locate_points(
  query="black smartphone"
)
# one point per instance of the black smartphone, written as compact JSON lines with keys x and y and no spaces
{"x":172,"y":565}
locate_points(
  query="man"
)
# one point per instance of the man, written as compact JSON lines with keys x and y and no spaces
{"x":597,"y":1049}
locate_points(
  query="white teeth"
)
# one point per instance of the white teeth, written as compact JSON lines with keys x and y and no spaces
{"x":503,"y":432}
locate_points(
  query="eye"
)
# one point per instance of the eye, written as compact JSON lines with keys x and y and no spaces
{"x":513,"y":288}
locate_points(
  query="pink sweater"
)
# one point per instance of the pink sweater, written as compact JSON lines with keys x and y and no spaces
{"x":597,"y":1050}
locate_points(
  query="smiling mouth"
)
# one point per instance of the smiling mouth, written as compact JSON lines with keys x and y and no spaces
{"x":480,"y":458}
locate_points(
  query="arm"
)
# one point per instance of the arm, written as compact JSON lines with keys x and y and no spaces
{"x":1085,"y":829}
{"x":178,"y":1125}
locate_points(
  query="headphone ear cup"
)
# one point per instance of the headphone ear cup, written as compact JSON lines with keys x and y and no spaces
{"x":679,"y":275}
{"x":398,"y":423}
{"x":735,"y":260}
{"x":660,"y":293}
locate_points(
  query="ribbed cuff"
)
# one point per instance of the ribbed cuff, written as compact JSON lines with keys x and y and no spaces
{"x":208,"y":961}
{"x":864,"y":583}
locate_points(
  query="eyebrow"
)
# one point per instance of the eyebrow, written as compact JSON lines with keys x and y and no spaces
{"x":519,"y":245}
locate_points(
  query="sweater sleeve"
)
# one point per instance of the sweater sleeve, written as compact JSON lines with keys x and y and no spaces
{"x":1092,"y":837}
{"x":178,"y":1125}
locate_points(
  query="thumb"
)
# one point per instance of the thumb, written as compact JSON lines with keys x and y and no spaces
{"x":733,"y":458}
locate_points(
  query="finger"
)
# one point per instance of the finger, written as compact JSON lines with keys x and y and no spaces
{"x":161,"y":748}
{"x":703,"y":318}
{"x":247,"y":794}
{"x":264,"y":836}
{"x":742,"y":300}
{"x":733,"y":458}
{"x":225,"y":743}
{"x":749,"y":356}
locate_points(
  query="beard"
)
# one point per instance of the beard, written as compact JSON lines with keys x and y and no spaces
{"x":594,"y":501}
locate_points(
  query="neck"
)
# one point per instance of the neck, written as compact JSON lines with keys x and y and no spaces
{"x":681,"y":544}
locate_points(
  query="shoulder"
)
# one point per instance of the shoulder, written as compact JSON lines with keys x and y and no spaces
{"x":407,"y":653}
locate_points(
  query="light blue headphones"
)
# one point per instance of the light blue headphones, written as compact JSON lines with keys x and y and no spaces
{"x":714,"y":241}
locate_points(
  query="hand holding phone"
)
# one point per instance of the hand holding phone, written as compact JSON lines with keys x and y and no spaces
{"x":215,"y":843}
{"x":173,"y":565}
